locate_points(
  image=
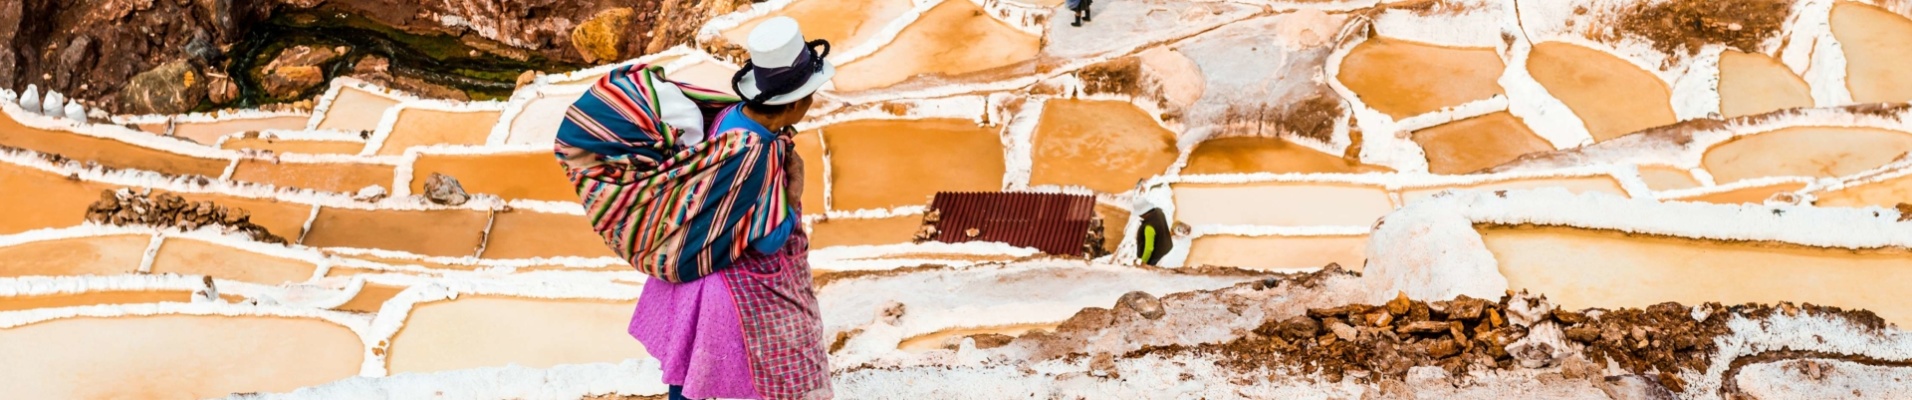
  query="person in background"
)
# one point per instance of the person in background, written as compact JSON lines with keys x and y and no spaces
{"x":1081,"y":9}
{"x":1153,"y":240}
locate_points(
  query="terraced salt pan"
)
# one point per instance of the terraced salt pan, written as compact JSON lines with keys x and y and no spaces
{"x":1278,"y":253}
{"x":538,"y":120}
{"x":174,"y":356}
{"x":846,"y":24}
{"x":1576,"y":184}
{"x":1887,"y":193}
{"x":1478,"y":143}
{"x":1442,"y":76}
{"x":1805,"y":151}
{"x":353,"y":109}
{"x":952,"y":39}
{"x":294,"y":146}
{"x":816,"y":171}
{"x":1756,"y":84}
{"x":445,"y":233}
{"x":1756,"y":194}
{"x":323,"y":176}
{"x":371,"y":297}
{"x":1247,"y":155}
{"x":532,"y":235}
{"x":1103,"y":145}
{"x":414,"y":126}
{"x":481,"y":330}
{"x":194,"y":257}
{"x":1274,"y":203}
{"x":1583,"y":268}
{"x":83,"y":255}
{"x":950,"y":338}
{"x":1660,"y":178}
{"x":863,"y":231}
{"x":28,"y":302}
{"x":107,"y":152}
{"x":1589,"y":81}
{"x":535,"y":176}
{"x":209,"y":132}
{"x":60,"y":202}
{"x":706,"y":74}
{"x":1242,"y":67}
{"x":879,"y":164}
{"x":1877,"y":45}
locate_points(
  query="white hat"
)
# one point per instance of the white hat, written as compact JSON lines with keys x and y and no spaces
{"x":785,"y":62}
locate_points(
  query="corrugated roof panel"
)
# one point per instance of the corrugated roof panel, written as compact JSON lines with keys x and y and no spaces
{"x":1054,"y":223}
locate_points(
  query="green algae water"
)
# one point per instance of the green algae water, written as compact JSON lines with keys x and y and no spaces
{"x":483,"y":70}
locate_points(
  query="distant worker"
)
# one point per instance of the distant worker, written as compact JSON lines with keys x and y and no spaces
{"x":1081,"y":9}
{"x":1153,"y":240}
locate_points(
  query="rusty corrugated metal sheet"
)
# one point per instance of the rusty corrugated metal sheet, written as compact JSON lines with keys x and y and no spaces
{"x":1054,"y":223}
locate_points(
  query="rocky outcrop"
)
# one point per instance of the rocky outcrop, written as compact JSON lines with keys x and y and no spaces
{"x":172,"y":88}
{"x":90,"y":50}
{"x":377,"y":70}
{"x":443,"y":189}
{"x":601,"y":38}
{"x":295,"y":70}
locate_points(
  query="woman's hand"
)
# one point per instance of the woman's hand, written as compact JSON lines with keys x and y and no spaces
{"x":793,"y":175}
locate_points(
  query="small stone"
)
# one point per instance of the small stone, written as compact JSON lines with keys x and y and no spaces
{"x":1578,"y":367}
{"x":527,"y":78}
{"x":892,"y":314}
{"x":370,"y":193}
{"x":1379,"y":319}
{"x":1142,"y":303}
{"x":236,"y":216}
{"x":1583,"y":334}
{"x":1400,"y":305}
{"x":1569,"y":317}
{"x":1299,"y":327}
{"x":1425,"y":327}
{"x":1344,"y":331}
{"x":443,"y":189}
{"x":1633,"y":387}
{"x":1102,"y":365}
{"x":1465,"y":308}
{"x":1443,"y":348}
{"x":1341,"y":311}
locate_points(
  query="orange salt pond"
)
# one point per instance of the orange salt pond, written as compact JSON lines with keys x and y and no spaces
{"x":321,"y":176}
{"x":1660,"y":178}
{"x":99,"y":255}
{"x":1279,"y":252}
{"x":1612,"y":96}
{"x":1103,"y":145}
{"x":952,"y":337}
{"x":534,"y":176}
{"x":845,"y":23}
{"x":1587,"y":268}
{"x":953,"y":38}
{"x":883,"y":164}
{"x":93,"y":298}
{"x":445,"y":233}
{"x":371,"y":298}
{"x":539,"y":120}
{"x":1878,"y":45}
{"x":174,"y":356}
{"x":488,"y":331}
{"x":1404,"y":79}
{"x":810,"y":149}
{"x":1584,"y":184}
{"x":1805,"y":151}
{"x":1755,"y":84}
{"x":193,"y":257}
{"x":861,"y":232}
{"x":295,"y":146}
{"x":1751,"y":195}
{"x":54,"y":201}
{"x":210,"y":132}
{"x":423,"y":127}
{"x":1280,"y":204}
{"x":521,"y":234}
{"x":356,"y":110}
{"x":1478,"y":143}
{"x":1886,"y":193}
{"x":106,"y":152}
{"x":1254,"y":154}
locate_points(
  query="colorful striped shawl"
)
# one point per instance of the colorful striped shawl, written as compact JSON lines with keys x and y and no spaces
{"x":676,"y":214}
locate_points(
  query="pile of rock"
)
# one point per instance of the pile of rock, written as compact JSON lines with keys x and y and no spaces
{"x":1389,"y":339}
{"x":126,"y":207}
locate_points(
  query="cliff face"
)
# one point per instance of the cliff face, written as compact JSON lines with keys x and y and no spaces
{"x":88,"y":48}
{"x":165,"y":56}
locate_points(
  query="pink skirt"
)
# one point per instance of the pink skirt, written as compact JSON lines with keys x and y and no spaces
{"x":749,"y":332}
